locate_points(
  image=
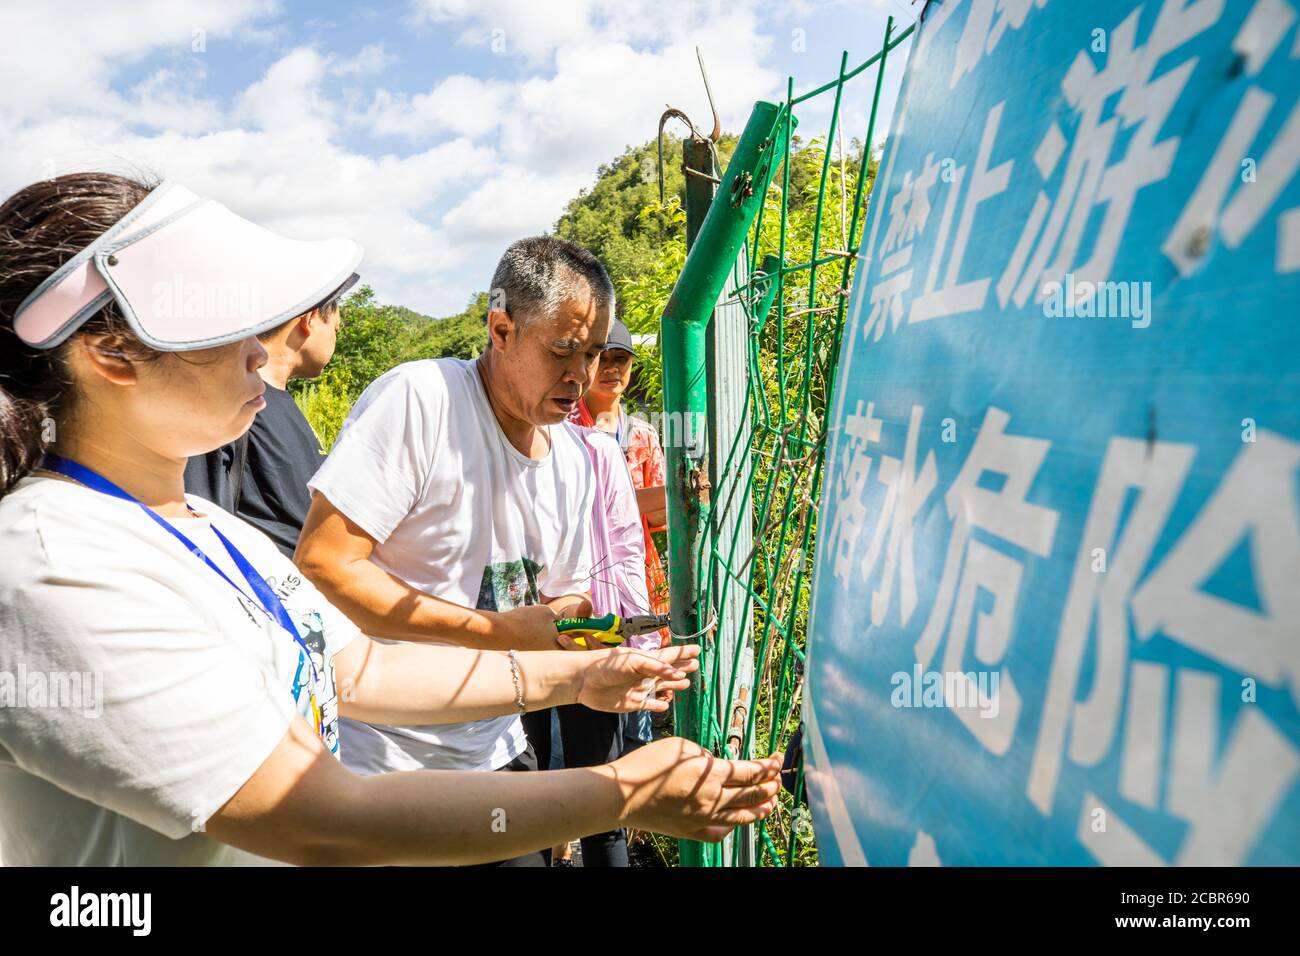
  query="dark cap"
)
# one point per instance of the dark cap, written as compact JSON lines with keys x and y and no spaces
{"x":620,"y":338}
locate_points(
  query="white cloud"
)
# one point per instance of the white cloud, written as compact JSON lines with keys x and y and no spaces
{"x":288,"y":97}
{"x":167,"y":99}
{"x":513,"y":202}
{"x":531,"y":29}
{"x":459,"y":104}
{"x":372,"y":59}
{"x":49,"y":64}
{"x":284,"y":168}
{"x":611,"y":78}
{"x":612,"y":70}
{"x":605,"y":96}
{"x":535,"y":31}
{"x":612,"y":67}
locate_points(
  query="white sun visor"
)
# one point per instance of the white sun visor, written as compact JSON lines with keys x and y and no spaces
{"x":187,"y":273}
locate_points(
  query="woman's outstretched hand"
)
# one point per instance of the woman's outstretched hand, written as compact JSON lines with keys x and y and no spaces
{"x":624,"y":680}
{"x":676,"y":787}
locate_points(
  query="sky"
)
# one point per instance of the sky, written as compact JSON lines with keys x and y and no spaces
{"x":433,"y":132}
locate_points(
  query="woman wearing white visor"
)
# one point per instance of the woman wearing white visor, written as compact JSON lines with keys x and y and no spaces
{"x":170,"y":686}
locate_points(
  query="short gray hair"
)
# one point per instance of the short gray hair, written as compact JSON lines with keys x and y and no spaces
{"x":536,"y":275}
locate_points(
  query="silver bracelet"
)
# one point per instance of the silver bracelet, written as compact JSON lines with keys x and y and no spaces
{"x":519,"y":688}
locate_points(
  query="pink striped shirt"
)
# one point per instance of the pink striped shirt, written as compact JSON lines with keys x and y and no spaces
{"x":617,"y":541}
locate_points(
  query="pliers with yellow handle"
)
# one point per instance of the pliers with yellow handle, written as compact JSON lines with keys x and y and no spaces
{"x":610,"y":629}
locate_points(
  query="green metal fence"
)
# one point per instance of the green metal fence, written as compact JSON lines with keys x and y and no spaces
{"x":750,"y":343}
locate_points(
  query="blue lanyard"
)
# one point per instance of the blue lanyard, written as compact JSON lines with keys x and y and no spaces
{"x":267,"y":600}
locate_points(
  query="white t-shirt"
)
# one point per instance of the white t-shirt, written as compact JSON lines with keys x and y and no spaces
{"x":421,"y":464}
{"x":172,"y":687}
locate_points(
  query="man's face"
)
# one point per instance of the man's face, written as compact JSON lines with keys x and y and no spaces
{"x":547,"y":366}
{"x":323,"y":328}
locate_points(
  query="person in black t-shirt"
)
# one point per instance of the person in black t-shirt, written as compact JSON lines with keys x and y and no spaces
{"x":263,"y":476}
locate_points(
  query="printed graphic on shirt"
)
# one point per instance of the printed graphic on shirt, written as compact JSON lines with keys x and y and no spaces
{"x":317,"y":674}
{"x":509,"y":584}
{"x":314,"y":674}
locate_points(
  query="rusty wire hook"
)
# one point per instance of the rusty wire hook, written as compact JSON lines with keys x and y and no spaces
{"x":712,"y":139}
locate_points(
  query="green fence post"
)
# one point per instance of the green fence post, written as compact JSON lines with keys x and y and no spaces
{"x":697,"y":159}
{"x":683,"y":347}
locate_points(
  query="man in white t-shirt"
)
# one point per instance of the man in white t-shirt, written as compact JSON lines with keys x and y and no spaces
{"x":453,"y":506}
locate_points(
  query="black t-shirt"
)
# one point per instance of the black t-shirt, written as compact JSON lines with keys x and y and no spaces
{"x":283,"y":454}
